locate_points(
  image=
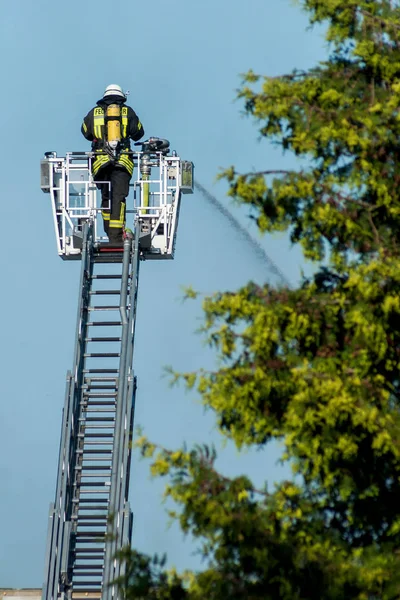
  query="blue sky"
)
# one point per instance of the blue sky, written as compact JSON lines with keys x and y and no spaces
{"x":181,"y":62}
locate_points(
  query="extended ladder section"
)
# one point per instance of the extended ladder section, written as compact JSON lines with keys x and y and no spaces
{"x":91,"y":519}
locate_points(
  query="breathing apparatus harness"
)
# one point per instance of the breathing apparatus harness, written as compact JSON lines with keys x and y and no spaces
{"x":109,"y":129}
{"x":113,"y":125}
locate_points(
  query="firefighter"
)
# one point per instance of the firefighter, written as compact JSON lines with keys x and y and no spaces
{"x":109,"y":126}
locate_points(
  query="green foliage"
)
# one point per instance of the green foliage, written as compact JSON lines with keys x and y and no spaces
{"x":317,"y":367}
{"x":145,"y":578}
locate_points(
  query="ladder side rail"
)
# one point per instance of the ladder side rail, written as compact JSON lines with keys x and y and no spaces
{"x":49,"y":572}
{"x":126,"y":535}
{"x":78,"y":375}
{"x":112,"y":528}
{"x":122,"y":500}
{"x":126,"y":517}
{"x":128,"y":448}
{"x":61,"y":539}
{"x":129,"y":384}
{"x":49,"y":545}
{"x":65,"y":584}
{"x":55,"y":535}
{"x":133,"y":296}
{"x":126,"y":532}
{"x":125,"y":427}
{"x":73,"y":416}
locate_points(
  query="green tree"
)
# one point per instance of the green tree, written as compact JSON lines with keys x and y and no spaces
{"x":316,"y":367}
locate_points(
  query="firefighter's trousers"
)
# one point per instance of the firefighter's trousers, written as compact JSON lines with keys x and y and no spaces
{"x":114,"y":185}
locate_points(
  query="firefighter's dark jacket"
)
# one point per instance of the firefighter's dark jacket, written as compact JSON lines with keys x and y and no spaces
{"x":93,"y":129}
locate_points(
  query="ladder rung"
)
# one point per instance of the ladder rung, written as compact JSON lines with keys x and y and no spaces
{"x":100,"y":394}
{"x":92,"y":483}
{"x":105,"y":480}
{"x":99,"y":308}
{"x":88,"y":500}
{"x":92,"y":468}
{"x":98,"y":491}
{"x":89,"y":504}
{"x":88,"y":570}
{"x":106,"y":276}
{"x":90,"y":545}
{"x":93,"y":507}
{"x":96,"y":524}
{"x":91,"y":556}
{"x":99,"y":403}
{"x":87,"y":534}
{"x":92,"y":435}
{"x":88,"y":371}
{"x":85,"y":477}
{"x":94,"y":520}
{"x":101,"y":355}
{"x":89,"y":553}
{"x":94,"y":426}
{"x":98,"y":420}
{"x":84,"y":590}
{"x":94,"y":451}
{"x":89,"y":590}
{"x":87,"y":523}
{"x":97,"y":380}
{"x":97,"y":442}
{"x":97,"y":459}
{"x":103,"y":339}
{"x":95,"y":593}
{"x":104,"y":292}
{"x":99,"y":410}
{"x":103,"y":323}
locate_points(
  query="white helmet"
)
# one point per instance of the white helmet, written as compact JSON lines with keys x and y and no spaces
{"x":114,"y":90}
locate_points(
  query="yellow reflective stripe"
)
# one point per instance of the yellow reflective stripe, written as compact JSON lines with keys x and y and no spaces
{"x":139,"y":125}
{"x":105,"y":215}
{"x":84,"y":126}
{"x":124,"y":114}
{"x":101,"y":160}
{"x":120,"y":222}
{"x":98,"y":162}
{"x":98,"y":122}
{"x":125,"y":162}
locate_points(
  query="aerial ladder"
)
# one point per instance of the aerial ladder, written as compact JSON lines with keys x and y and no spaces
{"x":91,"y":519}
